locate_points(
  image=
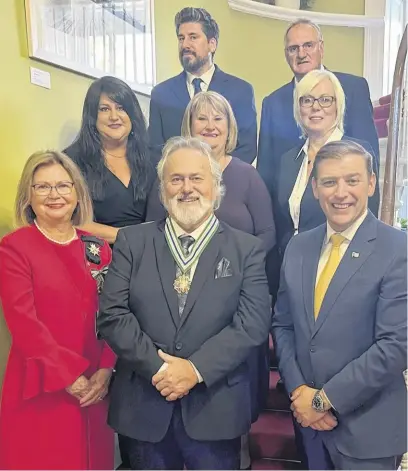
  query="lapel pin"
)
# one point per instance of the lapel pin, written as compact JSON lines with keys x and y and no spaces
{"x":355,"y":254}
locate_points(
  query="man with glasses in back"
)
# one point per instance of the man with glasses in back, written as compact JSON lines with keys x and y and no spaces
{"x":304,"y":48}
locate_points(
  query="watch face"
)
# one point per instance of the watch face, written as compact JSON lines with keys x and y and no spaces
{"x":318,"y":403}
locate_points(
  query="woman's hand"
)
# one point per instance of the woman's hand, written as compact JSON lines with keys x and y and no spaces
{"x":99,"y":383}
{"x":79,"y":388}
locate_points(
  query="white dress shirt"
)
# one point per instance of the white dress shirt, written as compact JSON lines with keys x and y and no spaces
{"x":195,"y":234}
{"x":206,"y":79}
{"x":302,"y":180}
{"x":349,"y":233}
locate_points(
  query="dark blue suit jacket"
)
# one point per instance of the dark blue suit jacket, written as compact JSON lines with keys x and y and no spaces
{"x":170,"y":99}
{"x":280,"y":181}
{"x":279,"y":131}
{"x":357,"y":347}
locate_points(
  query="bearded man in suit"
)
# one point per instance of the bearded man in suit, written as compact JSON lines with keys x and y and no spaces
{"x":184,"y":304}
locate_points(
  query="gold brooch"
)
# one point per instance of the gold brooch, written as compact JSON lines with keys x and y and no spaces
{"x":182,"y":284}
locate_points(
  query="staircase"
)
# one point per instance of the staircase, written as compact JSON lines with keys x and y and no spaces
{"x":272,"y":439}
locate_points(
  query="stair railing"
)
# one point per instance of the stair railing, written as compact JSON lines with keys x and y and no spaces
{"x":391,"y":161}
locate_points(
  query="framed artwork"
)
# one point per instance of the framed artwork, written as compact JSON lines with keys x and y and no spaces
{"x":95,"y":38}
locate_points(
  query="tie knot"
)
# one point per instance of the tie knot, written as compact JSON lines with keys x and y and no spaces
{"x":337,"y":240}
{"x":197,"y":85}
{"x":186,"y":242}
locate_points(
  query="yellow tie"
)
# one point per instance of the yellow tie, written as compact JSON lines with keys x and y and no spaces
{"x":328,"y":272}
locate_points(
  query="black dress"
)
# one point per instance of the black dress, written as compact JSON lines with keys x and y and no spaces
{"x":119,"y":207}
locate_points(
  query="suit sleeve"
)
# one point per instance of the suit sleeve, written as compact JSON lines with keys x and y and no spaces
{"x":359,"y":116}
{"x":224,"y":352}
{"x":245,"y":114}
{"x":49,"y":366}
{"x":386,"y":359}
{"x":264,"y":161}
{"x":283,"y":333}
{"x":259,"y":205}
{"x":116,"y":323}
{"x":155,"y":131}
{"x":108,"y":358}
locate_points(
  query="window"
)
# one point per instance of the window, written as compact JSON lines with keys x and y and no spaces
{"x":96,"y":37}
{"x":395,"y":20}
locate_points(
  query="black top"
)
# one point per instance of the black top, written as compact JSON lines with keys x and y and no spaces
{"x":119,"y":208}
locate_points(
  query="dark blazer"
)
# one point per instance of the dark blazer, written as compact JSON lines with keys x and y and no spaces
{"x":170,"y":98}
{"x":223,"y":321}
{"x":279,"y":131}
{"x":280,"y":185}
{"x":357,"y":347}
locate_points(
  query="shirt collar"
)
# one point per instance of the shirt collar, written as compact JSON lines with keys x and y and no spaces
{"x":336,"y":135}
{"x":348,"y":233}
{"x":206,"y":77}
{"x":196,"y":233}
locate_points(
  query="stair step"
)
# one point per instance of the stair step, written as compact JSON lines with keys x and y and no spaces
{"x":272,"y":436}
{"x":275,"y":464}
{"x":277,"y":399}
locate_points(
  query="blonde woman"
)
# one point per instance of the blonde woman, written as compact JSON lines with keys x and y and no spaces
{"x":319,"y":109}
{"x":53,"y":412}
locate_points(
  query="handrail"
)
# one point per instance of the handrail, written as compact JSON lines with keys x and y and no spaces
{"x":391,"y":161}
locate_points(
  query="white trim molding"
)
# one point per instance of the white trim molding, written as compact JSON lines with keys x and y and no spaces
{"x":373,"y":22}
{"x":290,"y":14}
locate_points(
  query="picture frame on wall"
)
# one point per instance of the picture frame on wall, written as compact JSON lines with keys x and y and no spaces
{"x":95,"y":38}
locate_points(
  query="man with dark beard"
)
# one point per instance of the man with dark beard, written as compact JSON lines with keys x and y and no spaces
{"x":185,"y":303}
{"x":198,"y":34}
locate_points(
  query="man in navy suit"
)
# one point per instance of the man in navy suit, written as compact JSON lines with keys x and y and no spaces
{"x":304,"y":49}
{"x":340,"y":322}
{"x":198,"y":34}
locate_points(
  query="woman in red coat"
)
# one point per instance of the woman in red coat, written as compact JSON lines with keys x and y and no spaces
{"x":53,"y":412}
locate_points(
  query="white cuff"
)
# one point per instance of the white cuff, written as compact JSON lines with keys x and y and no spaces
{"x":199,"y":377}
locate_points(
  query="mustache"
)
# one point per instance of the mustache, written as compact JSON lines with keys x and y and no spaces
{"x":185,"y":197}
{"x":187,"y":51}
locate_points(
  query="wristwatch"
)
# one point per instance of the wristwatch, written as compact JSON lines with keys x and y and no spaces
{"x":318,"y":402}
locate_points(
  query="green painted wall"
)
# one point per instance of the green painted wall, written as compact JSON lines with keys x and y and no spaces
{"x":251,"y":47}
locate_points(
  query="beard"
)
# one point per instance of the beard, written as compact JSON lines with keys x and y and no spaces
{"x":192,"y":64}
{"x":188,"y":214}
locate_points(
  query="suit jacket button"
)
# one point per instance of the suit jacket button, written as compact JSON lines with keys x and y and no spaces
{"x":312,"y":350}
{"x":179,"y":346}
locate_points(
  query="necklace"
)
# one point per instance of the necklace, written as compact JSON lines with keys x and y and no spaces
{"x":66,"y":242}
{"x":115,"y":156}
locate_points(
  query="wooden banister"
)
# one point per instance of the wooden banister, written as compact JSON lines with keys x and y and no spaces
{"x":391,"y":161}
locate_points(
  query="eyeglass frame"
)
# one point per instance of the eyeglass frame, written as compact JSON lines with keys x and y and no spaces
{"x":297,"y":47}
{"x":333,"y":98}
{"x":52,"y":187}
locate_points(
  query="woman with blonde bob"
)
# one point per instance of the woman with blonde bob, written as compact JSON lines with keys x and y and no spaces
{"x":53,"y":412}
{"x":319,"y":109}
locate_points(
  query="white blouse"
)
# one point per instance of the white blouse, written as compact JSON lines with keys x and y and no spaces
{"x":302,"y":180}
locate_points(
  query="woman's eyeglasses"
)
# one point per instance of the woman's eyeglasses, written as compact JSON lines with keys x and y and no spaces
{"x":324,"y":101}
{"x":62,"y":188}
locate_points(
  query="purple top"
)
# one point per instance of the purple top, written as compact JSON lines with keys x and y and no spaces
{"x":246,"y":205}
